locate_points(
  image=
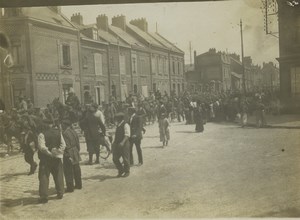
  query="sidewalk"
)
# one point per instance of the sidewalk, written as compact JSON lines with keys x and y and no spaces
{"x":279,"y":121}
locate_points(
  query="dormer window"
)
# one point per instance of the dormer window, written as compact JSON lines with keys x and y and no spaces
{"x":95,"y":34}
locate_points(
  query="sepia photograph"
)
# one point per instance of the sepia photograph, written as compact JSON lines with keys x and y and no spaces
{"x":149,"y":109}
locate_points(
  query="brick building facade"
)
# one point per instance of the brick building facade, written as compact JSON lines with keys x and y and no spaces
{"x":53,"y":54}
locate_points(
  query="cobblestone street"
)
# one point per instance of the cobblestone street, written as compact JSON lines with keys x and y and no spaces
{"x":227,"y":171}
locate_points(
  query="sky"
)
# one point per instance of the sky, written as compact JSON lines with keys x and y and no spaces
{"x":204,"y":24}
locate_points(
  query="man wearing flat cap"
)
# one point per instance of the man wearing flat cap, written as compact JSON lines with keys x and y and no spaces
{"x":121,"y":146}
{"x":51,"y":146}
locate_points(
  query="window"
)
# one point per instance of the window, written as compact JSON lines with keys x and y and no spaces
{"x":183,"y":87}
{"x":66,"y":90}
{"x":174,"y":87}
{"x":113,"y":91}
{"x":135,"y":89}
{"x":295,"y":81}
{"x":16,"y":53}
{"x":153,"y":63}
{"x":134,"y":64}
{"x":122,"y":64}
{"x":161,"y":65}
{"x":95,"y":34}
{"x":98,"y":64}
{"x":143,"y":66}
{"x":173,"y":67}
{"x":178,"y":88}
{"x":86,"y":88}
{"x":157,"y":65}
{"x":84,"y":62}
{"x":164,"y":66}
{"x":178,"y":64}
{"x":98,"y":99}
{"x":66,"y":55}
{"x":154,"y":87}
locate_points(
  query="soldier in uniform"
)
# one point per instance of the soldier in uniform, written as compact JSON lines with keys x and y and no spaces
{"x":51,"y":146}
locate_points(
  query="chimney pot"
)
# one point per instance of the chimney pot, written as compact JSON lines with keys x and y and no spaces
{"x":102,"y":22}
{"x":77,"y":18}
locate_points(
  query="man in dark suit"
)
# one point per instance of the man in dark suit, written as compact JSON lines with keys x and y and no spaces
{"x":94,"y":132}
{"x":136,"y":131}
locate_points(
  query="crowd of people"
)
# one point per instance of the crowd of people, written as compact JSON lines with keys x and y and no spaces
{"x":50,"y":131}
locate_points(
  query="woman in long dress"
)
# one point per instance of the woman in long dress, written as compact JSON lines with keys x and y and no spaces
{"x":199,"y":118}
{"x":164,"y":132}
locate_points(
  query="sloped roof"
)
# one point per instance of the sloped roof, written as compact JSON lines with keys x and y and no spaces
{"x":125,"y":36}
{"x":48,"y":15}
{"x":108,"y":37}
{"x":165,"y":42}
{"x":147,"y":37}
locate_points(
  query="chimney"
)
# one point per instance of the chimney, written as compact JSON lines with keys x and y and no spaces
{"x":77,"y":19}
{"x":195,"y":55}
{"x":141,"y":23}
{"x":102,"y":22}
{"x":119,"y":21}
{"x":56,"y":9}
{"x":248,"y":61}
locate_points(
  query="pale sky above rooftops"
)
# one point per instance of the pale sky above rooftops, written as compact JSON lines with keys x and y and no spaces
{"x":204,"y":24}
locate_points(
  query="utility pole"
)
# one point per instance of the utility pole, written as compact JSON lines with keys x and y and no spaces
{"x":243,"y":65}
{"x":191,"y":62}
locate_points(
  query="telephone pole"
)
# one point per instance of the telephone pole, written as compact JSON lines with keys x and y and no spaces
{"x":191,"y":62}
{"x":243,"y":65}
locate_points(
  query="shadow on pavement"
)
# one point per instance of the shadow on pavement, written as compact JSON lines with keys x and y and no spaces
{"x":8,"y":177}
{"x":109,"y":166}
{"x":153,"y":136}
{"x":157,"y":146}
{"x":32,"y":192}
{"x":22,"y":201}
{"x":186,"y":132}
{"x":19,"y":201}
{"x":101,"y":178}
{"x":290,"y":212}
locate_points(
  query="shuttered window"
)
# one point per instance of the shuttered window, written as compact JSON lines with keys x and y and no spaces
{"x":98,"y":64}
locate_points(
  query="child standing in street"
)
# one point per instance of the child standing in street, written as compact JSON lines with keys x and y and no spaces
{"x":164,"y":130}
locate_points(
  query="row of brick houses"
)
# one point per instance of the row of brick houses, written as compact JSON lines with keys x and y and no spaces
{"x":219,"y":71}
{"x":53,"y":53}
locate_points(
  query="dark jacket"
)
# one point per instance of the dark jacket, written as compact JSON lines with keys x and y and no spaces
{"x":72,"y":145}
{"x":92,"y":127}
{"x":136,"y":127}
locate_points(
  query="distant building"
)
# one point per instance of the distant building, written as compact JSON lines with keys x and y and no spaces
{"x":219,"y":71}
{"x":214,"y":70}
{"x":289,"y":49}
{"x":270,"y":77}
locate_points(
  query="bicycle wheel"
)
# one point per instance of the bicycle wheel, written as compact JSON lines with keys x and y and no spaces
{"x":104,"y":153}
